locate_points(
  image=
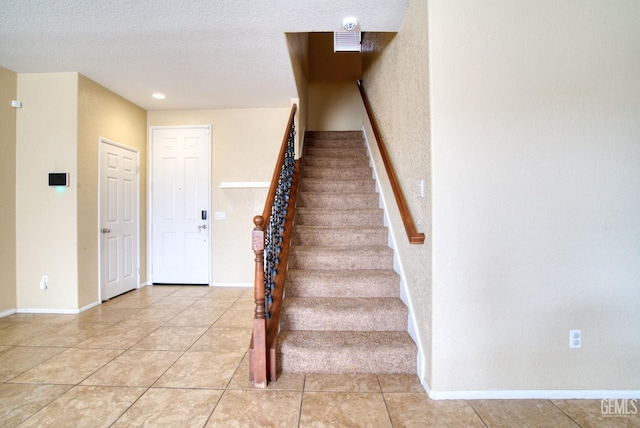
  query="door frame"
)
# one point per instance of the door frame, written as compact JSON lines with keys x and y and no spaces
{"x":102,"y":141}
{"x":150,"y":195}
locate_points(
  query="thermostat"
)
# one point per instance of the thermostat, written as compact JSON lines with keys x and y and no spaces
{"x":59,"y":179}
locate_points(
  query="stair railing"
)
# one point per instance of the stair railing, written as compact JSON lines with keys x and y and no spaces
{"x":414,"y":236}
{"x":270,"y":243}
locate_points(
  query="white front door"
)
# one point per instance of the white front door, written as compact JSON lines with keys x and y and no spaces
{"x":180,"y":177}
{"x":118,"y":220}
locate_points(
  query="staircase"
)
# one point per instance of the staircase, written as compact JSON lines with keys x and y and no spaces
{"x":341,"y":312}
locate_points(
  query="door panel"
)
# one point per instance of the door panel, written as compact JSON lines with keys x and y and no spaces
{"x":118,"y":220}
{"x":179,"y":193}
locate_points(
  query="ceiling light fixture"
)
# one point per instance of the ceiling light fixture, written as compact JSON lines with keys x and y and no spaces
{"x":350,"y":23}
{"x":158,"y":96}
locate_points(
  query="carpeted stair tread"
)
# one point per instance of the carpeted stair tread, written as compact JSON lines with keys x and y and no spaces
{"x":344,"y":313}
{"x":346,"y":352}
{"x":361,"y":172}
{"x":341,"y":143}
{"x":339,"y":283}
{"x":323,"y":185}
{"x":327,"y":257}
{"x":333,"y":135}
{"x":340,"y":218}
{"x":335,"y":162}
{"x":329,"y":236}
{"x":337,"y":201}
{"x":333,"y":152}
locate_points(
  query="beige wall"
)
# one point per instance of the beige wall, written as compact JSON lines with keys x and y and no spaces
{"x":397,"y":83}
{"x":8,"y":92}
{"x":103,"y":114}
{"x":334,"y":101}
{"x":536,"y":194}
{"x":245,"y":145}
{"x":46,"y":233}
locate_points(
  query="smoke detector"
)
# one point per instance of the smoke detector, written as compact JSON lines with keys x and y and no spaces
{"x":350,"y":23}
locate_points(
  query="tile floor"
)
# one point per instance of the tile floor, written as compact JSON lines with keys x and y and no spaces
{"x":175,"y":356}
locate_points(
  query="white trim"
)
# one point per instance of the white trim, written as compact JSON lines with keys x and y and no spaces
{"x":137,"y":152}
{"x":243,"y":184}
{"x":531,"y":394}
{"x":398,"y":268}
{"x":48,"y":311}
{"x":7,"y":313}
{"x":90,"y":305}
{"x":232,"y":284}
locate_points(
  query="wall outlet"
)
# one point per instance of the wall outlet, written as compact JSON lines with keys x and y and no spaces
{"x":421,"y":188}
{"x":44,"y":283}
{"x":575,"y":339}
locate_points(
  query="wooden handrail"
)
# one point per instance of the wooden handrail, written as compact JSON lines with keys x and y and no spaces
{"x":266,"y":212}
{"x":262,"y":358}
{"x":414,"y":236}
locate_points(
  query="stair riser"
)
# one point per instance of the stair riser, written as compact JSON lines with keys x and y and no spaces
{"x":326,"y":260}
{"x":356,"y":143}
{"x":346,"y":362}
{"x":333,"y":135}
{"x":295,"y":318}
{"x":337,"y":201}
{"x":336,"y":173}
{"x":339,"y":237}
{"x":368,"y":283}
{"x":336,"y":152}
{"x":338,"y":218}
{"x":358,"y":162}
{"x":334,"y":186}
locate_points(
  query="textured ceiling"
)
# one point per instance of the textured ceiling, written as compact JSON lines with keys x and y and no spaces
{"x":201,"y":54}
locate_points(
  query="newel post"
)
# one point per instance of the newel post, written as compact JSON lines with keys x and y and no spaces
{"x":258,"y":354}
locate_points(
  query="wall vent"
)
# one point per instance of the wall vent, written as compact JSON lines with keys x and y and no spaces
{"x":347,"y":41}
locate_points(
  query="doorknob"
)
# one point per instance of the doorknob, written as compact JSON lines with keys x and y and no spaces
{"x":105,"y":230}
{"x":203,"y":226}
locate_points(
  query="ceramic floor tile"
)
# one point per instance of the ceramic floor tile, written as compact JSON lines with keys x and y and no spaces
{"x":18,"y":402}
{"x":150,"y":317}
{"x":134,"y":368}
{"x":69,"y":367}
{"x":400,"y":383}
{"x":103,"y":315}
{"x":86,"y":406}
{"x":171,"y":338}
{"x":191,"y":291}
{"x":344,"y":409}
{"x":213,"y":304}
{"x":47,"y":318}
{"x":244,"y":408}
{"x":171,"y":408}
{"x":117,"y":337}
{"x":19,"y":359}
{"x":417,"y":410}
{"x":22,"y":332}
{"x":223,"y":340}
{"x":602,"y":413}
{"x":200,"y":370}
{"x":66,"y":335}
{"x":228,"y":292}
{"x":171,"y":302}
{"x":284,"y":381}
{"x":234,"y":319}
{"x":522,"y":413}
{"x":196,"y":317}
{"x":4,"y":348}
{"x":342,"y":383}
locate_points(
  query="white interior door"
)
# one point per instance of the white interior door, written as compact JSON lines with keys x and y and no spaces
{"x":118,"y":220}
{"x":180,"y":192}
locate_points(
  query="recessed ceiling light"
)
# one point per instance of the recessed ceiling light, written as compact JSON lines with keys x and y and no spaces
{"x":158,"y":96}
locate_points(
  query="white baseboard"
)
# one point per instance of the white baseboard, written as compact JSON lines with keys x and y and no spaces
{"x":232,"y":284}
{"x":89,"y":306}
{"x":7,"y":313}
{"x":47,"y":311}
{"x":531,"y":394}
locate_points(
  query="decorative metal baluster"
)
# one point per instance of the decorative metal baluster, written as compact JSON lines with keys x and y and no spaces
{"x":275,"y":228}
